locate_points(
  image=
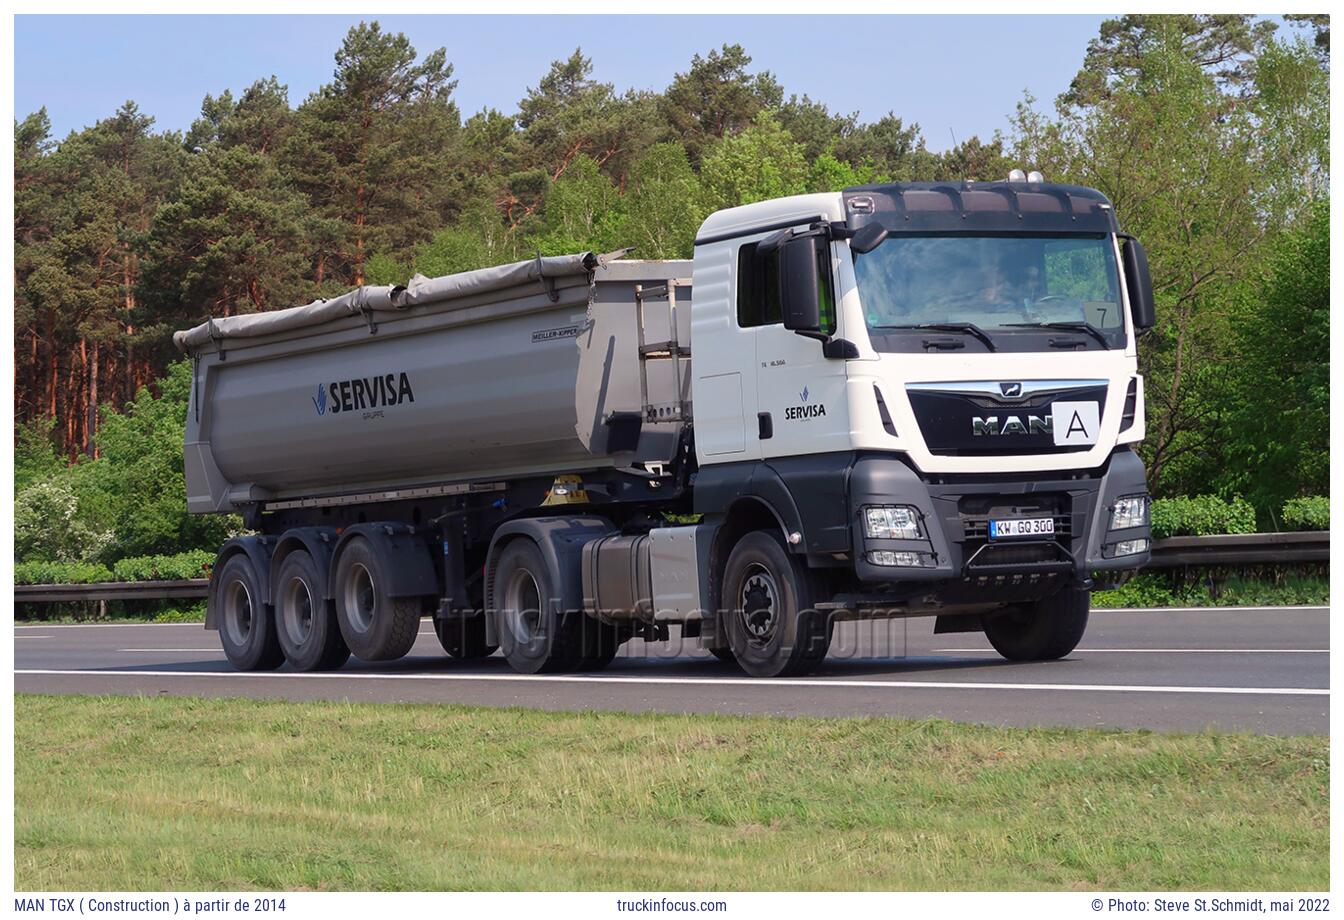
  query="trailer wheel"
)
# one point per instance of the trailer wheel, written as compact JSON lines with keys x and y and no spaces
{"x":305,"y":622}
{"x":1040,"y":631}
{"x":464,"y":637}
{"x":533,"y":634}
{"x":724,"y":654}
{"x":774,"y":629}
{"x":375,"y":626}
{"x":245,"y":627}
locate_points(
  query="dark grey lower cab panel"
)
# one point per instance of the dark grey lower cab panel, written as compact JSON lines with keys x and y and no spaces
{"x":820,"y":498}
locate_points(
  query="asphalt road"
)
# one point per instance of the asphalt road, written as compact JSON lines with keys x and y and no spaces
{"x":1262,"y":670}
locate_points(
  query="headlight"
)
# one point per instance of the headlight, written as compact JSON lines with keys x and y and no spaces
{"x":1130,"y":512}
{"x":891,"y":522}
{"x":912,"y":560}
{"x":1131,"y":547}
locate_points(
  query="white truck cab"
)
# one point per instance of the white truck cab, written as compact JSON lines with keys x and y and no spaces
{"x":933,"y":386}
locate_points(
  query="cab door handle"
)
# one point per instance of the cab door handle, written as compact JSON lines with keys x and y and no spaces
{"x":765,"y":426}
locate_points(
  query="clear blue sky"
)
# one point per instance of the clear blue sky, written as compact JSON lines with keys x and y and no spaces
{"x":951,"y":74}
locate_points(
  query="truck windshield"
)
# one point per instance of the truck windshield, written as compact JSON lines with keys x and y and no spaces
{"x":1005,"y":292}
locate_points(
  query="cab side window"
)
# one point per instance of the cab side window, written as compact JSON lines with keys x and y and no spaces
{"x":757,"y":288}
{"x":758,"y":302}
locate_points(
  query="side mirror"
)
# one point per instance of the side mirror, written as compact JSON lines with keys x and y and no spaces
{"x":1139,"y":285}
{"x":867,"y":238}
{"x":772,"y":242}
{"x":800,"y":282}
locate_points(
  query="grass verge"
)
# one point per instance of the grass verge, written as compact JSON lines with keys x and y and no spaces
{"x":169,"y":793}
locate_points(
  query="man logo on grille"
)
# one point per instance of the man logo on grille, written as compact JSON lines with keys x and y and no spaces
{"x":1010,"y":389}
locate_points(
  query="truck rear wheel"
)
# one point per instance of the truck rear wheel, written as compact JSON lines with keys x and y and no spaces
{"x":601,"y":642}
{"x":534,"y":635}
{"x":304,"y":620}
{"x":464,"y":637}
{"x":245,"y":627}
{"x":375,"y":626}
{"x":774,"y":629}
{"x":1040,"y":631}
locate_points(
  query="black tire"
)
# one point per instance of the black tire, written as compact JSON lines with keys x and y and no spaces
{"x":724,"y":654}
{"x":601,"y":642}
{"x":1040,"y":631}
{"x":246,"y":627}
{"x":769,"y":597}
{"x":464,"y":637}
{"x":375,"y":626}
{"x":305,"y":621}
{"x":534,"y":634}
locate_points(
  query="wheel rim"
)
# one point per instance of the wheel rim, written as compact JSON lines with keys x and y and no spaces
{"x":360,"y":602}
{"x":298,"y":610}
{"x":758,"y":604}
{"x":238,"y":612}
{"x":522,"y":607}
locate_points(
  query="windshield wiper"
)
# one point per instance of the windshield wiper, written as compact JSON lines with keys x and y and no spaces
{"x":1071,"y":325}
{"x":970,"y":329}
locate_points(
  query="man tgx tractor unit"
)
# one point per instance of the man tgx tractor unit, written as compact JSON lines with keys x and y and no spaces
{"x":899,"y":400}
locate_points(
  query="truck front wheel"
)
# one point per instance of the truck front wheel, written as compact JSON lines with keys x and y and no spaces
{"x":245,"y":627}
{"x":774,"y":628}
{"x":1040,"y":631}
{"x":375,"y":626}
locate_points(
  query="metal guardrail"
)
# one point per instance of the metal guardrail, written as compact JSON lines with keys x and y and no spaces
{"x":112,"y":591}
{"x":1242,"y":549}
{"x":1173,"y":552}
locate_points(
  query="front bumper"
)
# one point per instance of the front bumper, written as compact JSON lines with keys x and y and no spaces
{"x":955,"y":511}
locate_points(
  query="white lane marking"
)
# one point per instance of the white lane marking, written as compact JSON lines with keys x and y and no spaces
{"x":697,"y":681}
{"x":1216,"y":651}
{"x":200,"y":626}
{"x":1207,"y":609}
{"x":430,"y":633}
{"x":216,"y":649}
{"x":32,"y":637}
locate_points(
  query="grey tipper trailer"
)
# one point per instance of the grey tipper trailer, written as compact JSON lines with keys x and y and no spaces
{"x":380,"y":441}
{"x":905,"y":400}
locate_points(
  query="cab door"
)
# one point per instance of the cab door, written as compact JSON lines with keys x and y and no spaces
{"x":800,"y":393}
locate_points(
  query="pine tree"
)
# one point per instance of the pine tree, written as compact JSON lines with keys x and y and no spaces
{"x":370,"y":150}
{"x":717,"y":98}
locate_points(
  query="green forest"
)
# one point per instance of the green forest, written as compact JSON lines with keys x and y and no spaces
{"x":1209,"y":133}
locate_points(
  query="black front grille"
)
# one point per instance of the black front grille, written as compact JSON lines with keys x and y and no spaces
{"x":977,"y":528}
{"x":949,"y":422}
{"x":1017,"y":553}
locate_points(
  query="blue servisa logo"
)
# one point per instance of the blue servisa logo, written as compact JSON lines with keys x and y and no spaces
{"x":804,"y":410}
{"x":362,"y":393}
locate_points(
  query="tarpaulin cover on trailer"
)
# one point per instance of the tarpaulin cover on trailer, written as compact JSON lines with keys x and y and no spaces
{"x":389,"y":298}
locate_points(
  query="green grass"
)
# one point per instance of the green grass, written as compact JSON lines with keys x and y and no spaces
{"x":170,"y":793}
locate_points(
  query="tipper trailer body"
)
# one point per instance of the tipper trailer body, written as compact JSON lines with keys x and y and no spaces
{"x":899,"y":400}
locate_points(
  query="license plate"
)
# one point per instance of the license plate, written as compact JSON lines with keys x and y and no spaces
{"x":1022,"y":527}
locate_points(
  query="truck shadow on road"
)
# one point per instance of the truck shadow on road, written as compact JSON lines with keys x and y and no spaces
{"x":642,"y":666}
